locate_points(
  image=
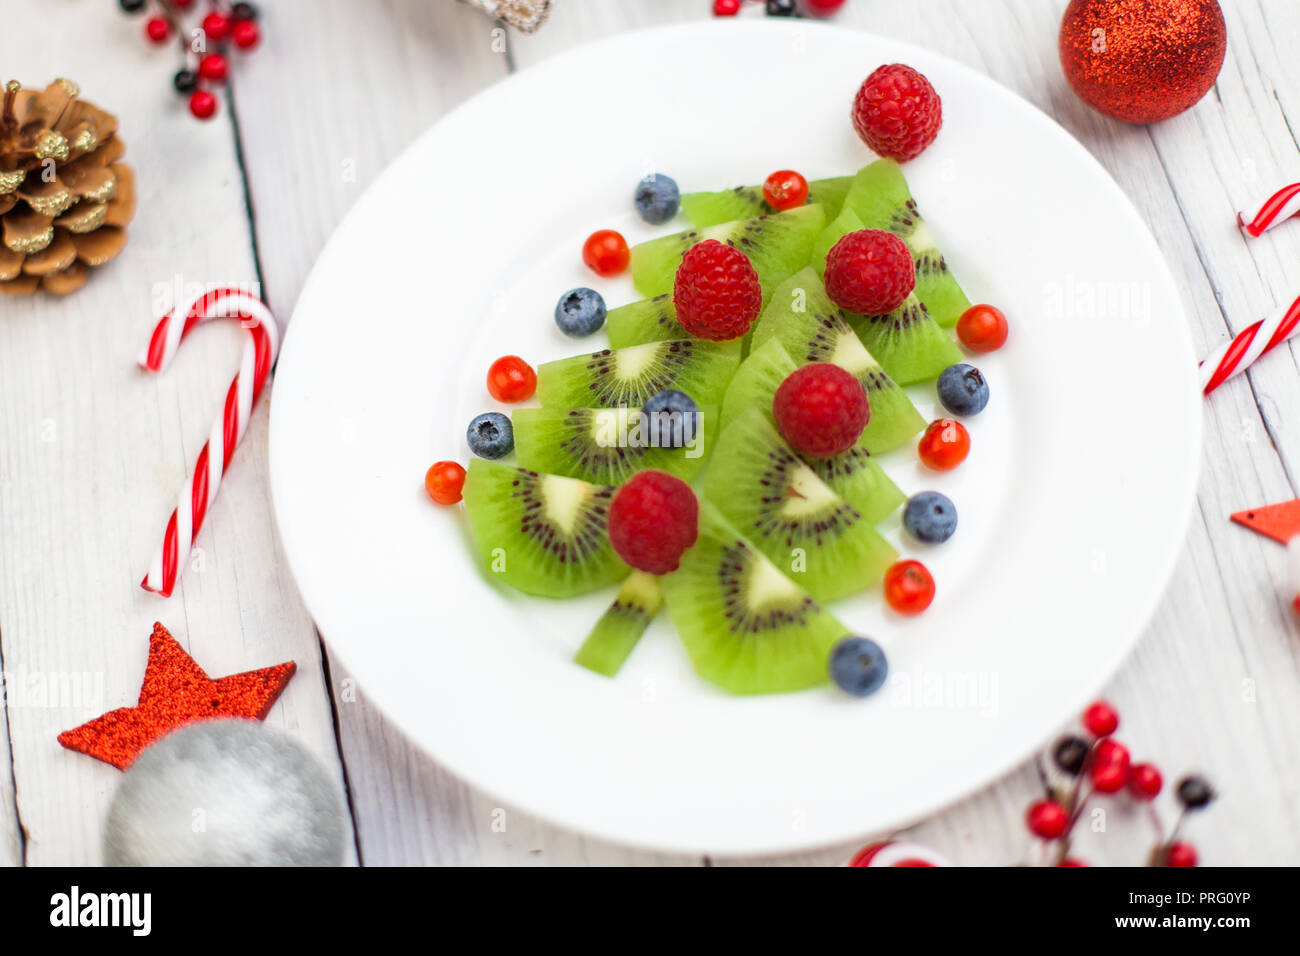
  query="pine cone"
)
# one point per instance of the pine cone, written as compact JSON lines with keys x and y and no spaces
{"x":65,"y":195}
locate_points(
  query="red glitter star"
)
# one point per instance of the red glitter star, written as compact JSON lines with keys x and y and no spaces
{"x":1281,"y":522}
{"x":175,"y":692}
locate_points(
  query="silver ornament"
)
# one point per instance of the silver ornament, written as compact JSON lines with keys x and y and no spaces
{"x":225,"y":793}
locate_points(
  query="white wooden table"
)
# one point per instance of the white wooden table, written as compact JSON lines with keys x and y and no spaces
{"x":92,"y":452}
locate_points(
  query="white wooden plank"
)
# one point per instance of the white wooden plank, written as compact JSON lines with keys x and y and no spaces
{"x":93,"y":452}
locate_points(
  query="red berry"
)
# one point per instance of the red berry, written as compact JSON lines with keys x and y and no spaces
{"x":982,"y":328}
{"x":945,"y":444}
{"x":869,"y":272}
{"x":726,"y":8}
{"x":245,"y":34}
{"x":822,"y":8}
{"x":864,"y":856}
{"x":444,"y":481}
{"x":909,"y":588}
{"x":821,"y":410}
{"x":203,"y":104}
{"x":897,"y":112}
{"x":605,"y":252}
{"x":1180,"y":854}
{"x":216,"y":26}
{"x":1144,"y":781}
{"x":912,"y":861}
{"x":1108,"y":777}
{"x":653,"y":519}
{"x":511,"y":379}
{"x":1047,"y":819}
{"x":1111,"y":752}
{"x":785,"y":189}
{"x":716,"y":292}
{"x":183,"y":4}
{"x":214,"y":67}
{"x":1071,"y":861}
{"x":157,"y":30}
{"x":1101,"y":719}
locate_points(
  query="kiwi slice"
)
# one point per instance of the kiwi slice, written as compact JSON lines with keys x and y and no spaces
{"x":881,"y":199}
{"x":855,"y":476}
{"x":606,"y":446}
{"x":813,"y":329}
{"x":541,"y":534}
{"x":650,"y":320}
{"x":745,"y":202}
{"x":762,"y":487}
{"x":907,"y":342}
{"x":746,"y":626}
{"x":843,"y":224}
{"x":777,"y":245}
{"x":630,"y":376}
{"x":621,"y":626}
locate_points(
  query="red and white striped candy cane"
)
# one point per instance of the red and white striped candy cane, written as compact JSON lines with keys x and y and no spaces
{"x":1249,"y":344}
{"x":1280,"y":206}
{"x":254,"y":368}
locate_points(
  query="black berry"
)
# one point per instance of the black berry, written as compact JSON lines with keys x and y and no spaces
{"x":1195,"y":792}
{"x":782,"y":8}
{"x":243,"y":11}
{"x":185,"y":81}
{"x":1070,"y":754}
{"x":131,"y":6}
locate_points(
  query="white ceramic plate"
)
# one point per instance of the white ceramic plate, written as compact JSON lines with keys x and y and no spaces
{"x":1073,"y":503}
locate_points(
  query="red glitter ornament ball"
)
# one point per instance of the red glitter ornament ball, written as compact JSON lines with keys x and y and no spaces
{"x":1142,"y":61}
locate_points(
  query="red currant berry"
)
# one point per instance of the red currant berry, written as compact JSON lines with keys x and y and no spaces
{"x":653,"y":519}
{"x":726,"y":8}
{"x":785,"y":189}
{"x":1101,"y":719}
{"x":214,"y":67}
{"x":1144,"y":781}
{"x":821,"y":409}
{"x":605,"y":252}
{"x":216,"y":26}
{"x":822,"y":8}
{"x":909,"y":588}
{"x":444,"y":481}
{"x":511,"y":379}
{"x":1108,"y":777}
{"x":157,"y":30}
{"x":982,"y":328}
{"x":1180,"y":854}
{"x":203,"y":104}
{"x":1047,"y":819}
{"x":945,"y":444}
{"x":245,"y":34}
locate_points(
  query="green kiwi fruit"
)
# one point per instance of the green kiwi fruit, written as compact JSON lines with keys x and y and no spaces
{"x":606,"y":446}
{"x":843,"y":224}
{"x":745,"y":202}
{"x":746,"y":626}
{"x":632,"y":375}
{"x":777,"y":245}
{"x":541,"y":534}
{"x":650,"y":320}
{"x":907,"y":342}
{"x":882,"y":200}
{"x":813,"y":329}
{"x":621,"y":626}
{"x":814,"y":536}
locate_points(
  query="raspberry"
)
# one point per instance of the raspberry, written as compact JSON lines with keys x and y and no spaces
{"x":716,"y":292}
{"x":869,"y":272}
{"x":821,"y":410}
{"x":897,"y":112}
{"x":653,"y":519}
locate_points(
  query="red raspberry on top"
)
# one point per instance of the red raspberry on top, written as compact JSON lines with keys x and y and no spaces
{"x":716,"y":292}
{"x":897,"y":112}
{"x":821,"y":410}
{"x":869,"y":272}
{"x":653,"y":519}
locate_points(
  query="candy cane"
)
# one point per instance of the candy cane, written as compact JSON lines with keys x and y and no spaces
{"x":200,"y":488}
{"x":1280,"y":206}
{"x":1252,"y":342}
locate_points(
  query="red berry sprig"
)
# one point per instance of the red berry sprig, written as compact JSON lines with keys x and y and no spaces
{"x":204,"y":60}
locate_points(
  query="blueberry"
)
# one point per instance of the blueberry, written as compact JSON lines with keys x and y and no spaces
{"x":657,"y":198}
{"x":962,"y":390}
{"x":678,"y":429}
{"x":491,"y":435}
{"x":580,"y":312}
{"x":930,"y":517}
{"x":858,"y":666}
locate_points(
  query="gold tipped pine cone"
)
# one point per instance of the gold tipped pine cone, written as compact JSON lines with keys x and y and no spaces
{"x":65,"y":194}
